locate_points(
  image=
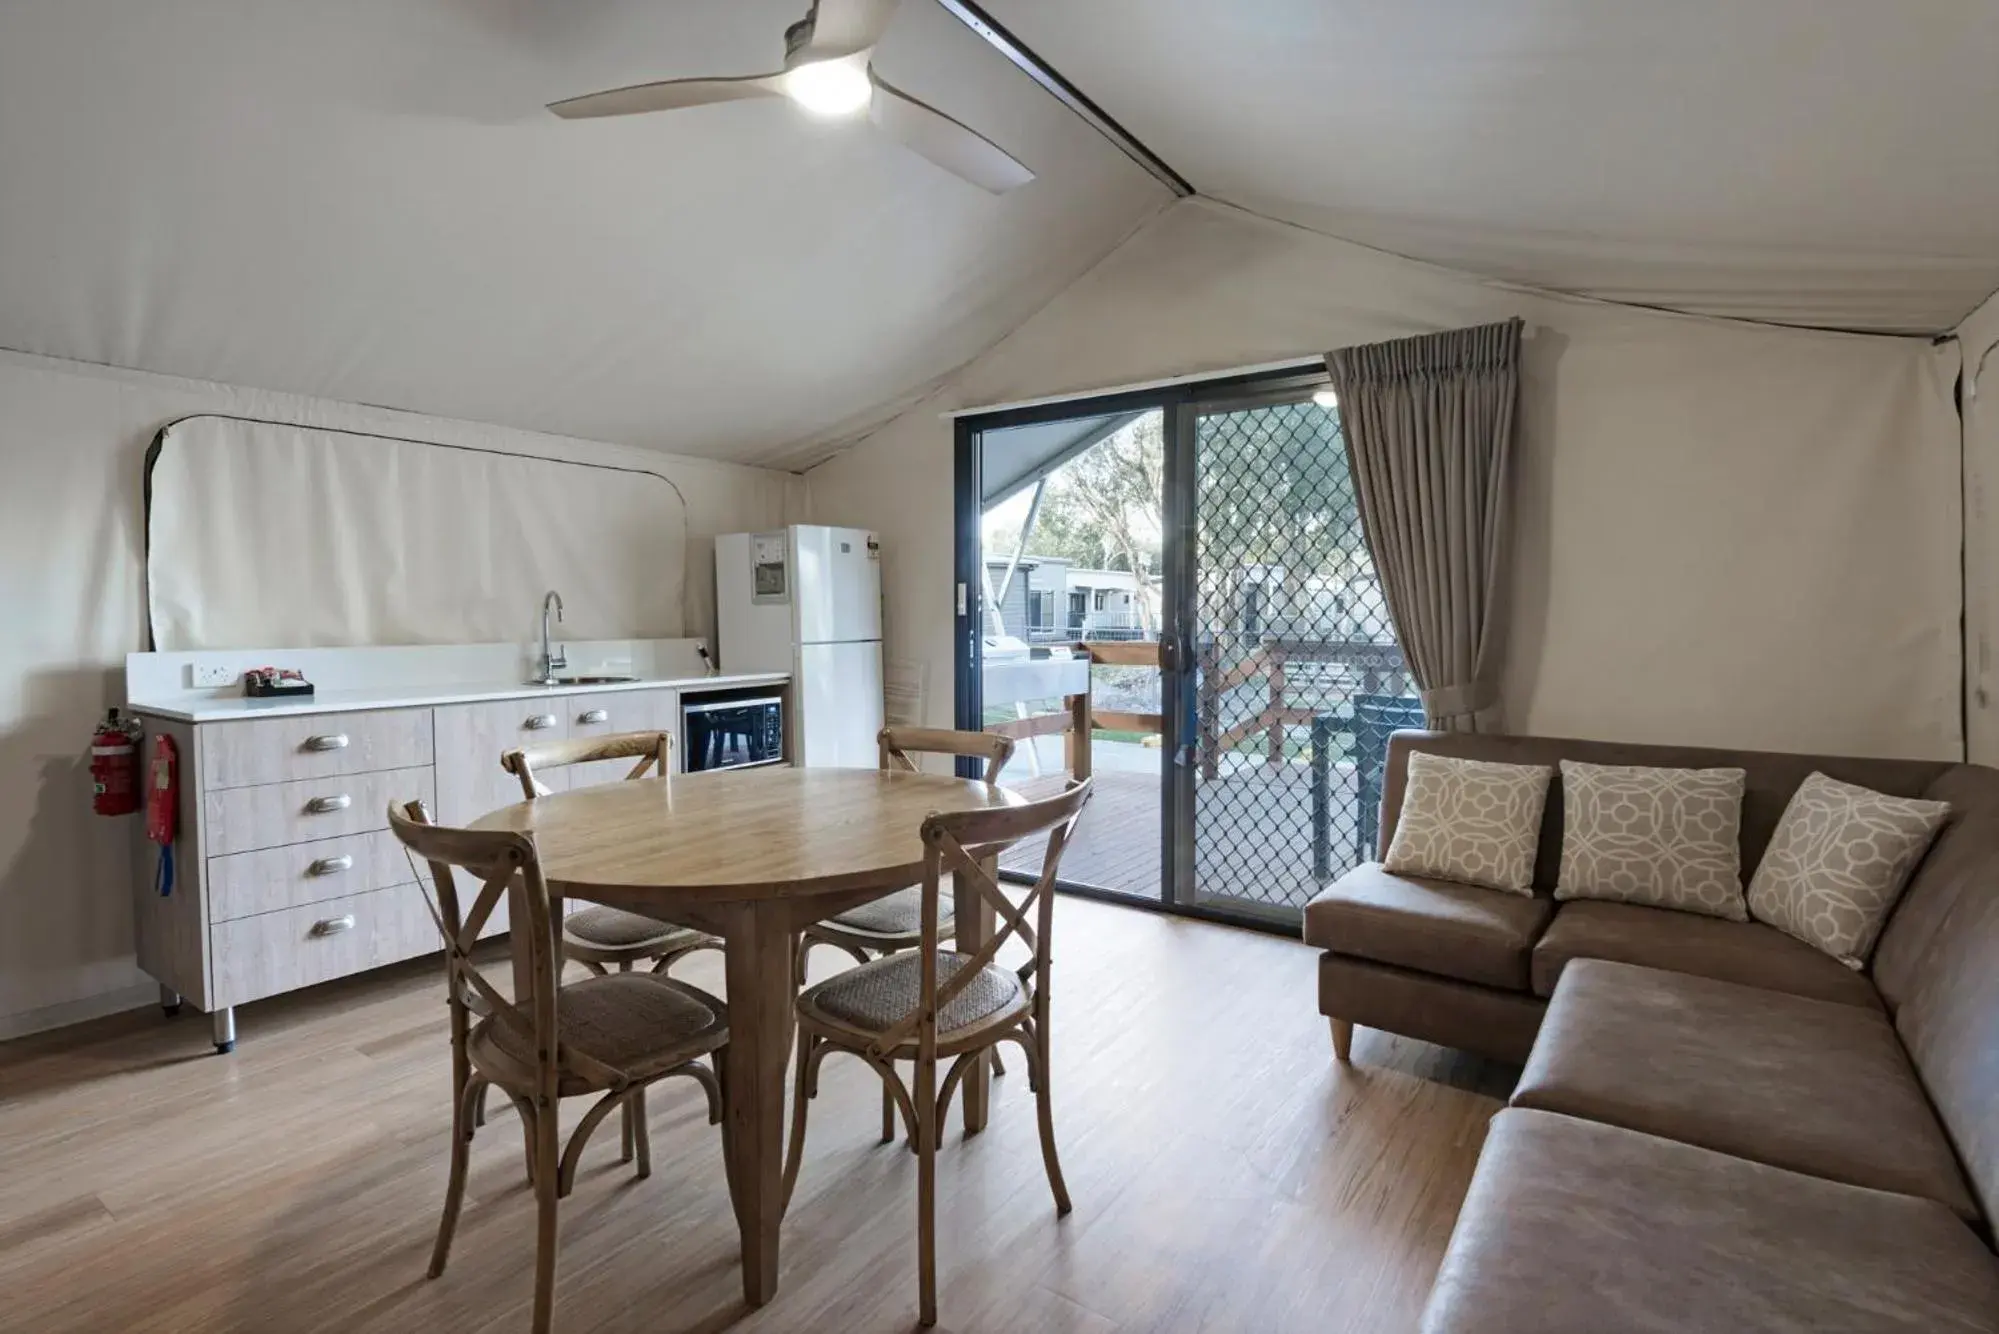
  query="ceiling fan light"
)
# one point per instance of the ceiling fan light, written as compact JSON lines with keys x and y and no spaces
{"x":829,"y":87}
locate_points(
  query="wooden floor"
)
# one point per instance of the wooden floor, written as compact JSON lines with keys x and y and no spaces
{"x":1227,"y":1175}
{"x":1253,"y":827}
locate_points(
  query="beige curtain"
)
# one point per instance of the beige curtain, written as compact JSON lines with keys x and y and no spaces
{"x":1429,"y":428}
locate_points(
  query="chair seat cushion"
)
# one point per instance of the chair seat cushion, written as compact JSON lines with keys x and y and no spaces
{"x":1811,"y":1085}
{"x":877,"y":996}
{"x":615,"y":929}
{"x":1746,"y":952}
{"x":897,"y":914}
{"x":1573,"y":1227}
{"x":1433,"y":926}
{"x":640,"y":1023}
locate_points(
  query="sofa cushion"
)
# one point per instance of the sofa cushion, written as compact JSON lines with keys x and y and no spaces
{"x":1959,"y":862}
{"x":1838,"y":862}
{"x":1746,"y":952}
{"x":1433,"y":926}
{"x":1666,"y":838}
{"x":1951,"y":1026}
{"x":1471,"y":821}
{"x":1573,"y":1227}
{"x":1810,"y":1085}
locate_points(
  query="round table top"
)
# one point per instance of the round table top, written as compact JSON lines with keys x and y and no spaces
{"x":739,"y":834}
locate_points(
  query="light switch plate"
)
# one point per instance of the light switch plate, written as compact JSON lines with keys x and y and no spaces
{"x":205,"y":677}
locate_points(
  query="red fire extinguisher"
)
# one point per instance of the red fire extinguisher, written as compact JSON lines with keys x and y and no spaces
{"x":114,"y":766}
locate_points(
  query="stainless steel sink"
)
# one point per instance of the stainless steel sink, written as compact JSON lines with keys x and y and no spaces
{"x":594,"y":680}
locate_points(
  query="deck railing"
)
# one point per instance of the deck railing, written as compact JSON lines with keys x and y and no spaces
{"x":1078,"y":716}
{"x":1379,"y":667}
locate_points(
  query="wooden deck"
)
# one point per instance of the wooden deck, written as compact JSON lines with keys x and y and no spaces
{"x":1252,"y":836}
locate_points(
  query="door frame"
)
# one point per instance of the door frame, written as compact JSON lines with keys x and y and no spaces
{"x":1181,"y":403}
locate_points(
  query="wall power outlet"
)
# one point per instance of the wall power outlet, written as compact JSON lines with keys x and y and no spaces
{"x":206,"y":677}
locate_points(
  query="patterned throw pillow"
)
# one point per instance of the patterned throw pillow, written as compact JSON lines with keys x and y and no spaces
{"x":1837,"y":863}
{"x":1665,"y":838}
{"x":1472,"y":821}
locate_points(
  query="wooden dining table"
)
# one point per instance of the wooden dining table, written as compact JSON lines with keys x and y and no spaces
{"x":754,"y":856}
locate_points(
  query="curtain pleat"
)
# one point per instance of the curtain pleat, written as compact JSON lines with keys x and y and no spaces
{"x":1429,"y":425}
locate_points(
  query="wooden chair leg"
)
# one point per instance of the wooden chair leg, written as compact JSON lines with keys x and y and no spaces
{"x":479,"y":1102}
{"x":999,"y":1067}
{"x":580,"y":1137}
{"x":462,"y":1126}
{"x":526,"y":1111}
{"x":625,"y":1136}
{"x":801,"y":1095}
{"x":888,"y":1114}
{"x":926,"y":1190}
{"x":547,"y":1169}
{"x":1044,"y":1113}
{"x":1342,"y":1041}
{"x":711,"y":1085}
{"x":635,"y":1108}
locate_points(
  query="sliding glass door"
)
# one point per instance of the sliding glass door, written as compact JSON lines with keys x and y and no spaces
{"x":1191,"y":561}
{"x":1070,"y":594}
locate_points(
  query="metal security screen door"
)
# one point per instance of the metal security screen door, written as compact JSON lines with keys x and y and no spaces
{"x":1294,"y":678}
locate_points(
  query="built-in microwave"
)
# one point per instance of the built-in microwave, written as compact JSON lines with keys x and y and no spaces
{"x":719,"y":732}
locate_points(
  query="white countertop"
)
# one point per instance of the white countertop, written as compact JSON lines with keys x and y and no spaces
{"x":223,"y":708}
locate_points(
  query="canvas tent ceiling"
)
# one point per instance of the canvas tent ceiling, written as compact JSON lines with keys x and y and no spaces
{"x":1826,"y":162}
{"x":366,"y":201}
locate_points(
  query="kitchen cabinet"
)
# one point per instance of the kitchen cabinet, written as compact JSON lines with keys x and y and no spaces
{"x":286,"y":873}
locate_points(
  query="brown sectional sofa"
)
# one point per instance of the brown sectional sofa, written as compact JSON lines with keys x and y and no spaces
{"x":1717,"y":1126}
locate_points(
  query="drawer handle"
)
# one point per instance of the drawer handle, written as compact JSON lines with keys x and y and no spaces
{"x":331,"y":865}
{"x":539,"y":721}
{"x":333,"y":926}
{"x":338,"y":741}
{"x":594,"y":716}
{"x":322,"y":805}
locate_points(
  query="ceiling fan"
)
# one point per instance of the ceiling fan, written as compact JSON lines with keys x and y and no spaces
{"x":829,"y":70}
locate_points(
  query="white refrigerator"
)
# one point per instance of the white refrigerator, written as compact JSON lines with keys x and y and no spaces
{"x":807,"y":600}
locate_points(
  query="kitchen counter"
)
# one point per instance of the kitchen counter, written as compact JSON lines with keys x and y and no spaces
{"x":222,"y":708}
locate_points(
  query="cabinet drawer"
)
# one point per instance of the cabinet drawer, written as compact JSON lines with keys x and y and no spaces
{"x":472,"y":737}
{"x":247,"y":883}
{"x":254,"y":957}
{"x":609,"y":712}
{"x":279,"y":750}
{"x":243,"y":819}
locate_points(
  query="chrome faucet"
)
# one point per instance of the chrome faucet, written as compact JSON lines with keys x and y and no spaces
{"x":551,"y":658}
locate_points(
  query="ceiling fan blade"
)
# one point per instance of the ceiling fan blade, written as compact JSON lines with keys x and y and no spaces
{"x":674,"y":93}
{"x":949,"y":143}
{"x":845,"y":27}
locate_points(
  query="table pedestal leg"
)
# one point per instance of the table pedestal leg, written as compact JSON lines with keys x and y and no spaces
{"x":975,"y":924}
{"x":760,"y":1029}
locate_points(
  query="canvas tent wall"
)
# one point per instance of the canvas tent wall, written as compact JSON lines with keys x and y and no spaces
{"x":1726,"y":533}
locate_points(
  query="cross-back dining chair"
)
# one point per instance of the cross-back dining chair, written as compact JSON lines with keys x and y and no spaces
{"x":598,"y":937}
{"x":608,"y":1035}
{"x":892,"y":923}
{"x":929,"y":1004}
